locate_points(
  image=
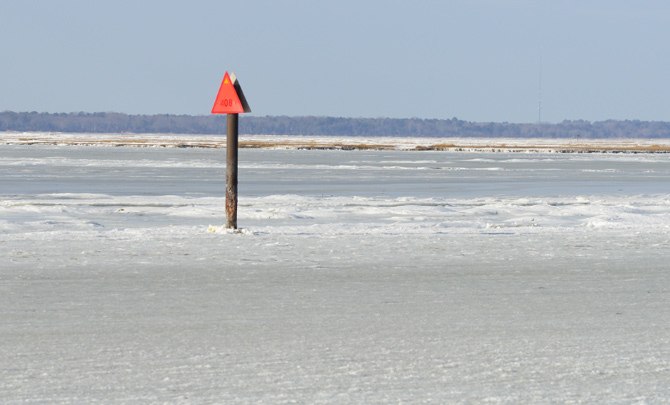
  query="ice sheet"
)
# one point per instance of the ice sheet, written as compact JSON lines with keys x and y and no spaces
{"x":358,"y":277}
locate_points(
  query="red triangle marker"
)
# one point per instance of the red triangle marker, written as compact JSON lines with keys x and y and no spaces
{"x":227,"y":101}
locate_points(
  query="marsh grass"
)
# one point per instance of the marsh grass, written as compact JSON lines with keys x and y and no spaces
{"x":277,"y":142}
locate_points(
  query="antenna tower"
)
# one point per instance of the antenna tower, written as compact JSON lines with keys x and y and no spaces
{"x":539,"y":96}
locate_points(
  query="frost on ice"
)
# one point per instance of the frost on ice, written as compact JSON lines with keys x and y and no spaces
{"x":358,"y":277}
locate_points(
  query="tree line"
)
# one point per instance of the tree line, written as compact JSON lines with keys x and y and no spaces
{"x":110,"y":122}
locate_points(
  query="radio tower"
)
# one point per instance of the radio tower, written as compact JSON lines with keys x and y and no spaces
{"x":539,"y":96}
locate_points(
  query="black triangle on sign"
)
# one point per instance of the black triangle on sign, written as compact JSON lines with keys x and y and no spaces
{"x":240,"y":93}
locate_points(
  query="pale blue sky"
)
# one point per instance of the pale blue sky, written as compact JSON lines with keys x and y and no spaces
{"x":477,"y":60}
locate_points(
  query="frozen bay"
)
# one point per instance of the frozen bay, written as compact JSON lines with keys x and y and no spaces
{"x":360,"y":276}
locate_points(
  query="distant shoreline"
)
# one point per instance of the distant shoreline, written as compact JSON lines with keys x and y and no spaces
{"x":301,"y":142}
{"x":110,"y":122}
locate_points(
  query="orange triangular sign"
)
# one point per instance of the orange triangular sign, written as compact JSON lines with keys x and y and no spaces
{"x":227,"y":100}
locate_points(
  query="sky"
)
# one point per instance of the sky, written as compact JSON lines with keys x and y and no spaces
{"x":475,"y":60}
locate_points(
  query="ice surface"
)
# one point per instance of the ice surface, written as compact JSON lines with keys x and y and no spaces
{"x":359,"y":277}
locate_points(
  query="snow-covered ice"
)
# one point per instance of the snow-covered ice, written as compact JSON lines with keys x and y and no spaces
{"x":358,"y":277}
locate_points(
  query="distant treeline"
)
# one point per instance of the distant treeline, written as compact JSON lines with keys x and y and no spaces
{"x":109,"y":122}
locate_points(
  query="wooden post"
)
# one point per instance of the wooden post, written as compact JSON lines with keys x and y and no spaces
{"x":231,"y":172}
